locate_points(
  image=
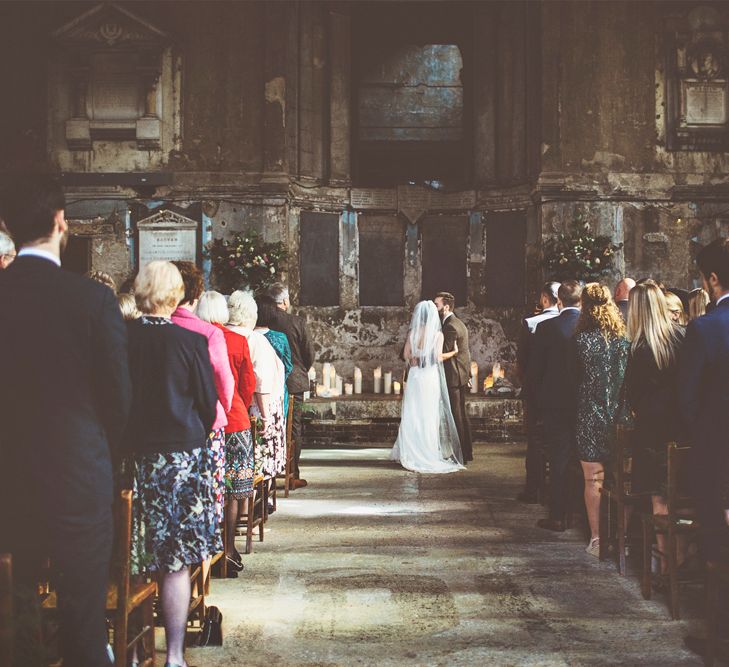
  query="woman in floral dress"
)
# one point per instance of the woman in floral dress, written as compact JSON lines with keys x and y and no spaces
{"x":601,"y":356}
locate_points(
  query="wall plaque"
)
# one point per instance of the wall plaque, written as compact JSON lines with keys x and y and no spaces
{"x":453,"y":201}
{"x":704,"y":103}
{"x":373,"y":198}
{"x":413,"y":201}
{"x":167,"y":236}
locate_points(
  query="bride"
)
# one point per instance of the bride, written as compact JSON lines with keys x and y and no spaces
{"x":427,"y":440}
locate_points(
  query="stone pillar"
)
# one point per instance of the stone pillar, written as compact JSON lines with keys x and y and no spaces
{"x":349,"y":260}
{"x":80,"y":84}
{"x":340,"y":46}
{"x":484,"y":94}
{"x":412,"y":280}
{"x":274,"y":126}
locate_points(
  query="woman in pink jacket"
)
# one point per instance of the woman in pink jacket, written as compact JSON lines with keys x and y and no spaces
{"x":185,"y":317}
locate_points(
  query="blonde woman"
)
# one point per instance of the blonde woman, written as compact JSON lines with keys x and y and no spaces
{"x":651,"y":384}
{"x":601,"y":355}
{"x":698,"y":301}
{"x":128,"y":307}
{"x":675,"y":309}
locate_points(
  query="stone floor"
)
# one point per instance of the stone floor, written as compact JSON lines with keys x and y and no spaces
{"x":373,"y":565}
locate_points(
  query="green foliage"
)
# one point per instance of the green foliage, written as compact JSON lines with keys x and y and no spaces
{"x":577,"y":254}
{"x":246,"y":260}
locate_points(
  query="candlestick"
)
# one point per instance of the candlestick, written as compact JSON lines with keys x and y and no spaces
{"x":348,"y":389}
{"x":474,"y":377}
{"x":357,"y":381}
{"x":378,"y":380}
{"x":396,"y":388}
{"x":388,"y":382}
{"x":326,"y":375}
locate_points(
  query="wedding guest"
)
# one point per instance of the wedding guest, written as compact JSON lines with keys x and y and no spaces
{"x":103,"y":278}
{"x":534,"y":464}
{"x":7,"y":250}
{"x":675,"y":309}
{"x":554,"y":390}
{"x":64,"y":399}
{"x":238,"y":440}
{"x":267,"y":405}
{"x":651,"y":386}
{"x":184,"y":316}
{"x":128,"y":306}
{"x":279,"y":342}
{"x":601,"y":356}
{"x":703,"y":385}
{"x":622,"y":293}
{"x":302,"y":356}
{"x":698,"y":301}
{"x":173,"y":411}
{"x":457,"y":368}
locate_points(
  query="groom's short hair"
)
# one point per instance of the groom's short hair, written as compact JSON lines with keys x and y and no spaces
{"x":448,"y":299}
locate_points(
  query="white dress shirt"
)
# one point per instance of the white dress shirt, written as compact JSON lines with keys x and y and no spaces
{"x":37,"y":252}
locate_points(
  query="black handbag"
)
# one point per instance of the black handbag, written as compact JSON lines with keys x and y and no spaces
{"x":212,"y":629}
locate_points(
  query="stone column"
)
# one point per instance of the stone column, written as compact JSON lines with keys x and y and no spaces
{"x":349,"y":260}
{"x":340,"y":46}
{"x":274,"y":137}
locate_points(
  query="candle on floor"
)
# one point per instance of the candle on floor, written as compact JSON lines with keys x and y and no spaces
{"x":378,"y":380}
{"x":326,"y":375}
{"x":388,"y":382}
{"x":357,"y":381}
{"x":474,"y":377}
{"x":348,"y":389}
{"x":396,"y":388}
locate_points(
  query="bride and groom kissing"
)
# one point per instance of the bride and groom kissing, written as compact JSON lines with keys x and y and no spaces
{"x":435,"y":435}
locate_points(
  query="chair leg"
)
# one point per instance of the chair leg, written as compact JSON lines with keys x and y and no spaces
{"x":224,"y":535}
{"x":712,"y":612}
{"x":148,"y":622}
{"x":673,"y":574}
{"x":620,"y":528}
{"x":250,"y":505}
{"x":605,"y":502}
{"x":647,"y":578}
{"x":121,"y":621}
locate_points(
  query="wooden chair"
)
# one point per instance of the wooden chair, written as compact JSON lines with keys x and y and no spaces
{"x":6,"y":610}
{"x":288,"y":476}
{"x":678,"y":522}
{"x":197,"y":608}
{"x":125,"y":594}
{"x":616,"y":497}
{"x":253,"y":516}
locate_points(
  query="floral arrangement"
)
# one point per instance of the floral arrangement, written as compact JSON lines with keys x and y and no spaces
{"x":577,"y":254}
{"x":246,"y":260}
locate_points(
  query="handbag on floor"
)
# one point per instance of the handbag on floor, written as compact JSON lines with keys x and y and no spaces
{"x":212,"y":629}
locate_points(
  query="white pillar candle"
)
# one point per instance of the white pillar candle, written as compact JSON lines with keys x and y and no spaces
{"x":388,"y":382}
{"x":348,"y":389}
{"x":333,"y":378}
{"x":474,"y":377}
{"x":378,"y":380}
{"x":357,"y":381}
{"x":326,"y":376}
{"x":312,"y":373}
{"x":396,"y":388}
{"x":338,"y":384}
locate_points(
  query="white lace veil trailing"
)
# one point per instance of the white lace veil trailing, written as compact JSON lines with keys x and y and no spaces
{"x":426,"y":347}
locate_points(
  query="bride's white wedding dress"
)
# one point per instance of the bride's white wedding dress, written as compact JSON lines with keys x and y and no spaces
{"x":428,"y":440}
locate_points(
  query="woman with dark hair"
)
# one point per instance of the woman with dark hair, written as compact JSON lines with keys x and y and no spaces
{"x":601,"y":355}
{"x":185,"y":317}
{"x":279,"y":341}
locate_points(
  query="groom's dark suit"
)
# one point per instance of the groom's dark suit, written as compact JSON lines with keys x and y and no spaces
{"x":458,"y":373}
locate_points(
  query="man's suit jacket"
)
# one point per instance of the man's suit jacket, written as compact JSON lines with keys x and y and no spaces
{"x":302,"y":349}
{"x":65,"y":394}
{"x":524,"y":346}
{"x":551,"y":364}
{"x":703,"y":394}
{"x":623,"y":308}
{"x":457,"y":369}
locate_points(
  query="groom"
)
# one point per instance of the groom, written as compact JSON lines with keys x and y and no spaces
{"x":457,"y":369}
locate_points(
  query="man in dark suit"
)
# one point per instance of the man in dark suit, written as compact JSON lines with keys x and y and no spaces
{"x":553,"y":384}
{"x":457,"y":369}
{"x":622,"y":292}
{"x":703,"y":391}
{"x":302,"y":356}
{"x":534,"y":458}
{"x":64,"y":399}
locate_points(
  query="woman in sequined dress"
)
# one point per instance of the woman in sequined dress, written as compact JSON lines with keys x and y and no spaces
{"x":601,"y":352}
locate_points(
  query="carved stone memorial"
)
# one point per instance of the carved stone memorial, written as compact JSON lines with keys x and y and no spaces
{"x":167,"y":235}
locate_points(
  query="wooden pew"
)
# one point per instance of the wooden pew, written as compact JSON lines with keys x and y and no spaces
{"x":125,"y":594}
{"x":680,"y":521}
